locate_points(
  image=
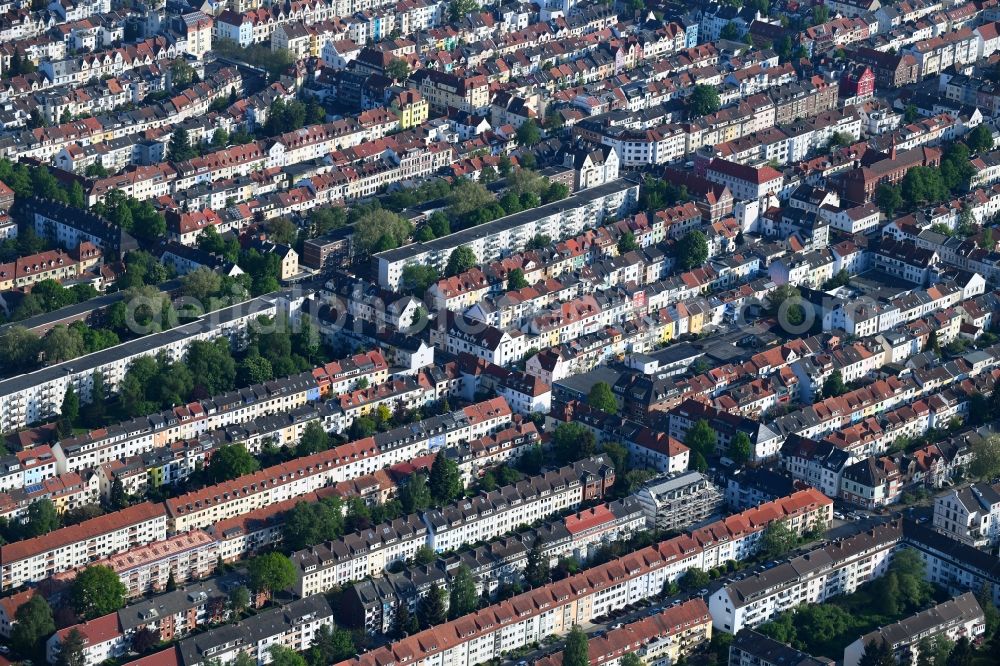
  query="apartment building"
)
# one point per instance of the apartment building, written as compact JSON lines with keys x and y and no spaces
{"x":838,"y":568}
{"x":970,"y":514}
{"x":961,"y":617}
{"x":663,"y":638}
{"x":76,"y":546}
{"x":678,"y":500}
{"x":147,"y":569}
{"x":560,"y":219}
{"x":484,"y":517}
{"x":765,"y":441}
{"x":70,"y":227}
{"x":38,"y":395}
{"x":373,"y":603}
{"x":555,"y":608}
{"x":750,"y":648}
{"x":490,"y":514}
{"x":293,"y":626}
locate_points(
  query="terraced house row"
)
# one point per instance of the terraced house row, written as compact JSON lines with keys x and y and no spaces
{"x":480,"y":518}
{"x":555,"y":608}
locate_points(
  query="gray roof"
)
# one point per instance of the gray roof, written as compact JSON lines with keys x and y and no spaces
{"x":473,"y":234}
{"x":254,"y":629}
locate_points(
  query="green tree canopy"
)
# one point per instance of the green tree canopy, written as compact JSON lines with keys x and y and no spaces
{"x":431,"y":607}
{"x":603,"y":398}
{"x":740,"y":448}
{"x":701,"y":438}
{"x":573,"y":441}
{"x":231,"y":461}
{"x":270,"y":572}
{"x":577,"y":650}
{"x":703,"y":100}
{"x":34,"y":625}
{"x":462,"y":258}
{"x":464,"y":599}
{"x":528,"y":134}
{"x":692,"y":250}
{"x":180,"y":149}
{"x":445,"y":480}
{"x":97,"y":591}
{"x":834,"y":386}
{"x":377,"y":229}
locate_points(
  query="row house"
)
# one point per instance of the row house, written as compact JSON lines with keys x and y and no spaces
{"x":74,"y":547}
{"x":38,"y":395}
{"x":563,"y":219}
{"x":555,"y":608}
{"x":823,"y":573}
{"x":488,"y":515}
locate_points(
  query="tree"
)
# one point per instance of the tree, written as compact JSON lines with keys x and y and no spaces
{"x":603,"y":398}
{"x":459,"y":9}
{"x":692,"y":250}
{"x":254,"y":369}
{"x":330,"y":646}
{"x":229,"y":462}
{"x":962,"y":654}
{"x":980,"y":139}
{"x":446,"y":479}
{"x":740,"y":448}
{"x":417,"y":278}
{"x":529,"y":134}
{"x":70,"y":409}
{"x":778,"y":539}
{"x":572,"y":441}
{"x":577,"y":650}
{"x":145,"y":640}
{"x":377,"y":229}
{"x":62,"y":344}
{"x":34,"y":625}
{"x":536,"y":570}
{"x":701,"y":438}
{"x":71,"y":649}
{"x":270,"y":572}
{"x":516,"y":279}
{"x":464,"y":599}
{"x":730,"y":32}
{"x":990,"y":611}
{"x":97,"y":591}
{"x":703,"y":100}
{"x":430,"y":608}
{"x":694,"y":578}
{"x":465,"y":203}
{"x":314,"y":440}
{"x":555,"y":192}
{"x":627,"y":243}
{"x":397,"y":69}
{"x":18,"y":349}
{"x":42,"y":518}
{"x":889,"y":199}
{"x":282,"y":231}
{"x":462,"y":258}
{"x":201,"y":283}
{"x":986,"y":454}
{"x":877,"y":653}
{"x":117,"y":498}
{"x":179,"y":148}
{"x":283,"y":656}
{"x":415,"y":495}
{"x":424,"y":555}
{"x":406,"y":623}
{"x":239,"y":600}
{"x":834,"y":386}
{"x":632,"y":659}
{"x":212,"y":365}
